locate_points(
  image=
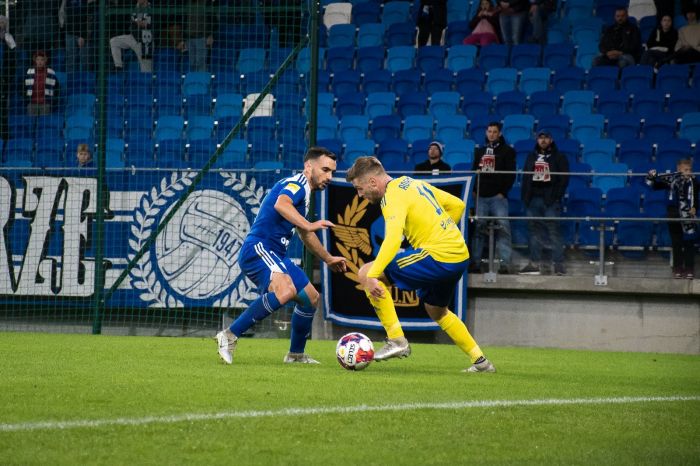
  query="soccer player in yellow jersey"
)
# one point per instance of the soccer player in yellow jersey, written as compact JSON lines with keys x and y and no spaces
{"x":436,"y":261}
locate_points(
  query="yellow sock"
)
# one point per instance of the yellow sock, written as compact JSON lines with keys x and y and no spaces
{"x":384,"y":307}
{"x":456,"y":330}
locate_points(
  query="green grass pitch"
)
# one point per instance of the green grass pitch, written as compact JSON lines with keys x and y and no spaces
{"x":81,"y":399}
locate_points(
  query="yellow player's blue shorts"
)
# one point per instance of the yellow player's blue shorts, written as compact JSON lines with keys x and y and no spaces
{"x":435,"y":281}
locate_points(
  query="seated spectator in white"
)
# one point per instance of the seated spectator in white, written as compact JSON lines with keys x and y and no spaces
{"x":620,"y":45}
{"x":661,"y":44}
{"x":40,"y":86}
{"x":139,"y":39}
{"x":688,"y":45}
{"x":484,"y":25}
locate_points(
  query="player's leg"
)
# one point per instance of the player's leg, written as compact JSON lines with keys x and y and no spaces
{"x":302,"y":319}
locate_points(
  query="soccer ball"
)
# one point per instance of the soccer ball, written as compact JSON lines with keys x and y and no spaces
{"x":354,"y":351}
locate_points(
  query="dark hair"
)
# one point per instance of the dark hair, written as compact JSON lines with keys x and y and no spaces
{"x":363,"y":166}
{"x":316,"y":152}
{"x":496,"y":124}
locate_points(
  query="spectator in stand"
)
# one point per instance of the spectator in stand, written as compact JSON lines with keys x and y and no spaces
{"x":434,"y":162}
{"x":485,"y":26}
{"x":512,"y":19}
{"x":688,"y":45}
{"x":139,"y":39}
{"x":544,"y":184}
{"x":661,"y":43}
{"x":538,"y":14}
{"x":84,"y":156}
{"x":683,"y":189}
{"x":40,"y":86}
{"x":200,"y":23}
{"x":79,"y":21}
{"x":8,"y":48}
{"x":491,"y":194}
{"x":432,"y":19}
{"x":620,"y":45}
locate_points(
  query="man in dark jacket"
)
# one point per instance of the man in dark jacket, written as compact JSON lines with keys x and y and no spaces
{"x":621,"y":44}
{"x":434,"y":161}
{"x":544,"y":184}
{"x":491,"y":191}
{"x":432,"y":19}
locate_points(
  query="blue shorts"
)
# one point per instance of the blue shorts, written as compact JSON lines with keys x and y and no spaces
{"x":258,"y":262}
{"x":435,"y":281}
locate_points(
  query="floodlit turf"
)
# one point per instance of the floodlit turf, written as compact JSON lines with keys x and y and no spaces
{"x":78,"y":399}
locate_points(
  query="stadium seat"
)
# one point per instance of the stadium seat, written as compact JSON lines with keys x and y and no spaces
{"x":623,"y":126}
{"x":585,"y":53}
{"x":430,"y":58}
{"x":518,"y":127}
{"x":250,"y":60}
{"x":334,"y":145}
{"x":196,"y":83}
{"x":542,"y":103}
{"x":681,"y":103}
{"x":341,"y":35}
{"x":234,"y":155}
{"x":602,"y":78}
{"x":690,"y":127}
{"x":577,"y":103}
{"x":637,"y":78}
{"x":444,"y":104}
{"x":400,"y":57}
{"x":522,"y":150}
{"x":357,"y":148}
{"x":556,"y":56}
{"x":674,"y":149}
{"x":587,"y":127}
{"x":478,"y":125}
{"x":346,"y":81}
{"x":261,"y":127}
{"x":370,"y":58}
{"x":612,"y":102}
{"x":585,"y":31}
{"x":406,"y":81}
{"x":658,"y":128}
{"x":390,"y":149}
{"x":558,"y":31}
{"x":456,"y":32}
{"x":630,"y":236}
{"x":459,"y":152}
{"x":228,"y":105}
{"x":199,"y":127}
{"x":380,"y":103}
{"x":569,"y":78}
{"x":451,"y":129}
{"x":412,"y":103}
{"x":461,"y":57}
{"x":493,"y":56}
{"x":114,"y":153}
{"x":168,"y":127}
{"x":376,"y":81}
{"x":351,"y":103}
{"x":385,"y":127}
{"x":648,"y":102}
{"x":264,"y":150}
{"x":501,"y":80}
{"x":634,"y":152}
{"x":288,"y":106}
{"x":458,"y":10}
{"x":79,"y":127}
{"x":417,"y":127}
{"x":478,"y":103}
{"x":509,"y":102}
{"x":525,"y":56}
{"x":571,"y":148}
{"x":534,"y":79}
{"x":598,"y":152}
{"x":400,"y":34}
{"x":226,"y":83}
{"x":439,"y":80}
{"x":557,"y":125}
{"x":327,"y":127}
{"x":19,"y":151}
{"x":353,"y":127}
{"x":611,"y":180}
{"x":365,"y":13}
{"x":22,"y":126}
{"x":673,"y":78}
{"x":418,"y":150}
{"x":199,"y":151}
{"x":81,"y":104}
{"x":337,"y":13}
{"x":586,"y":202}
{"x":265,"y":107}
{"x":470,"y":80}
{"x":339,"y":58}
{"x":395,"y":12}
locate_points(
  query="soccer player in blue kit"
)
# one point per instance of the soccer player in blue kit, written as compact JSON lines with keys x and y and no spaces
{"x":263,"y":256}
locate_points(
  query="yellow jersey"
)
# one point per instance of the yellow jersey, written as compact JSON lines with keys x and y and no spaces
{"x":426,"y":216}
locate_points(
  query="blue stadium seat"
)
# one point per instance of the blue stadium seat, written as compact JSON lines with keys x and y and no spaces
{"x":534,"y":79}
{"x":674,"y":149}
{"x":346,"y":81}
{"x":522,"y":150}
{"x":228,"y":105}
{"x":353,"y":127}
{"x":327,"y":127}
{"x":293,"y":153}
{"x":637,"y":78}
{"x":196,"y":82}
{"x":596,"y":152}
{"x":339,"y":58}
{"x":406,"y":81}
{"x":22,"y":126}
{"x":199,"y":151}
{"x":607,"y":182}
{"x":357,"y":148}
{"x":351,"y":103}
{"x":648,"y":102}
{"x":509,"y":102}
{"x":646,"y":25}
{"x":544,"y":103}
{"x":681,"y":103}
{"x":341,"y":35}
{"x":525,"y":56}
{"x":444,"y":104}
{"x":658,"y":128}
{"x":364,"y":13}
{"x":400,"y":34}
{"x":334,"y":145}
{"x":170,"y":153}
{"x":470,"y":80}
{"x":478,"y":125}
{"x":370,"y":58}
{"x":586,"y":31}
{"x":81,"y":104}
{"x":200,"y":127}
{"x":451,"y":129}
{"x":439,"y":80}
{"x":79,"y":127}
{"x":288,"y":106}
{"x":395,"y":12}
{"x":268,"y":165}
{"x":557,"y":125}
{"x":456,"y":32}
{"x":623,"y":126}
{"x":277,"y":56}
{"x":558,"y":30}
{"x":602,"y":78}
{"x":169,"y":127}
{"x":493,"y":56}
{"x":234,"y":155}
{"x":635,"y":151}
{"x":458,"y":10}
{"x":400,"y":57}
{"x":20,"y":151}
{"x":557,"y":55}
{"x":501,"y":80}
{"x":630,"y":236}
{"x":571,"y":148}
{"x":690,"y":127}
{"x":577,"y":103}
{"x":570,"y":78}
{"x":587,"y":127}
{"x":461,"y":151}
{"x":385,"y":127}
{"x":114,"y":153}
{"x":250,"y":60}
{"x":586,"y":202}
{"x":324,"y":103}
{"x":478,"y":103}
{"x":418,"y":127}
{"x":50,"y":157}
{"x":673,"y":78}
{"x":460,"y":57}
{"x":430,"y":58}
{"x":376,"y":81}
{"x":226,"y":83}
{"x":518,"y":127}
{"x":418,"y":150}
{"x":264,"y":150}
{"x":612,"y":102}
{"x":380,"y":103}
{"x":412,"y":103}
{"x":392,"y":149}
{"x":261,"y":127}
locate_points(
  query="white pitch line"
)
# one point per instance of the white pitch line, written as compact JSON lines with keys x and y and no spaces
{"x":193,"y":417}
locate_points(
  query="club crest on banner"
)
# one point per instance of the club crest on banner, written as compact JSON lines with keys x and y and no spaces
{"x":194,"y":259}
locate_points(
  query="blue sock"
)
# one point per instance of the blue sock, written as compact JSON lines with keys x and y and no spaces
{"x":257,"y":311}
{"x":301,"y":328}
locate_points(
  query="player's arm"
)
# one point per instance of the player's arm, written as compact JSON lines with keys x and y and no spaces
{"x":285,"y":207}
{"x":311,"y":241}
{"x":452,"y":204}
{"x":394,"y":213}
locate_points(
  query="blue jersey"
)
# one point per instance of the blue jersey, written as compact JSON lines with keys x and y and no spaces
{"x":269,"y":226}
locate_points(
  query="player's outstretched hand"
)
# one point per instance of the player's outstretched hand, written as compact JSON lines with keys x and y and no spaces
{"x":320,"y":225}
{"x":337,"y":264}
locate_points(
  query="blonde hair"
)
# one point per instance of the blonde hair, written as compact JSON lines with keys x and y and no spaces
{"x":367,"y":165}
{"x":84,"y":148}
